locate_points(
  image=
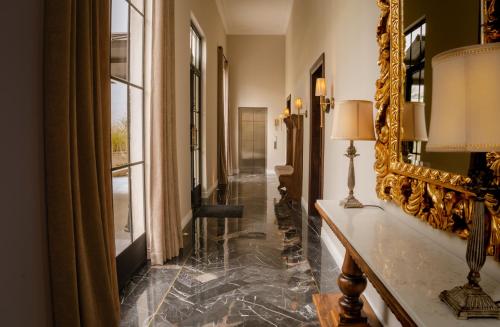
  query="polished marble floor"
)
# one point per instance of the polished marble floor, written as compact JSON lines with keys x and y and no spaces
{"x":259,"y":270}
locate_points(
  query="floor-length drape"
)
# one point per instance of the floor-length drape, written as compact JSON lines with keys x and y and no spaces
{"x":77,"y":122}
{"x":165,"y":222}
{"x":221,"y":121}
{"x":228,"y":125}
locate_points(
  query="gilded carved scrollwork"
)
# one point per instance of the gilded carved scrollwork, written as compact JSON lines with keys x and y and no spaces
{"x":493,"y":205}
{"x":491,"y":10}
{"x":436,"y":197}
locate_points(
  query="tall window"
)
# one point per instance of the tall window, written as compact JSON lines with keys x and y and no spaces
{"x":415,"y":61}
{"x":415,"y":78}
{"x":196,"y":50}
{"x":127,"y":119}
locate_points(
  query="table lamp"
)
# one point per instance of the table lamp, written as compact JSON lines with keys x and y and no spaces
{"x":414,"y":127}
{"x":353,"y":121}
{"x":465,"y":116}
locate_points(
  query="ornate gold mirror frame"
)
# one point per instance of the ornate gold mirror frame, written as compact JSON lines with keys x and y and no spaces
{"x":437,"y":197}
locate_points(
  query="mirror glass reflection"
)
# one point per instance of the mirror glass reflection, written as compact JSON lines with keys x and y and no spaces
{"x":431,"y":28}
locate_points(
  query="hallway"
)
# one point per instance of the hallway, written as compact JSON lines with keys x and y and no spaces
{"x":259,"y":270}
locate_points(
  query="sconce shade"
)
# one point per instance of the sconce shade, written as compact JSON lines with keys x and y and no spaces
{"x":353,"y":120}
{"x":320,"y":87}
{"x":286,"y":112}
{"x":414,"y":128}
{"x":466,"y":100}
{"x":298,"y":104}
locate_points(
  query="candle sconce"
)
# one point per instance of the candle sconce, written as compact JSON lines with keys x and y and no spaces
{"x":299,"y":105}
{"x":325,"y":102}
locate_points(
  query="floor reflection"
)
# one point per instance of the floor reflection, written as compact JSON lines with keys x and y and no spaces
{"x":258,"y":270}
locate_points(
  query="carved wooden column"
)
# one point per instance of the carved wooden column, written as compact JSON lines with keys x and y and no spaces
{"x":352,"y":283}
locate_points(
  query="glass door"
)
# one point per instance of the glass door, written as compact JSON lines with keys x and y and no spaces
{"x":196,"y":51}
{"x":127,"y":135}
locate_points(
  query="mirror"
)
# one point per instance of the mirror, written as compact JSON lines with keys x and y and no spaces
{"x":432,"y":186}
{"x":431,"y":27}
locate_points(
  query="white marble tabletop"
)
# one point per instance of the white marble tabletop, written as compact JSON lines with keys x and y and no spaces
{"x":414,"y":267}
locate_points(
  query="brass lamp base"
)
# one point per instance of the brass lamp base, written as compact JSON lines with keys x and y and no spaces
{"x":470,"y":301}
{"x":351,"y":202}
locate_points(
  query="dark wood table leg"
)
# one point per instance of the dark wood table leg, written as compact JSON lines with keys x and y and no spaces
{"x":352,"y":283}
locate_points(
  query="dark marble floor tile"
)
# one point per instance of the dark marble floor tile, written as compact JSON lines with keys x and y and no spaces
{"x":142,"y":302}
{"x":259,"y":270}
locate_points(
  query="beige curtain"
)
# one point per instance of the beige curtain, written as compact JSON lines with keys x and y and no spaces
{"x":221,"y":120}
{"x":77,"y":124}
{"x":229,"y":152}
{"x":165,"y":222}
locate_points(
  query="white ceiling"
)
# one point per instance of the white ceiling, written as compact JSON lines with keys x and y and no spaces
{"x":259,"y":17}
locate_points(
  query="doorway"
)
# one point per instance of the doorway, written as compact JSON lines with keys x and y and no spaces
{"x":317,"y":139}
{"x":252,"y":140}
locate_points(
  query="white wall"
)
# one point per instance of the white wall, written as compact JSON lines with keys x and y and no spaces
{"x":257,"y":79}
{"x":25,"y":297}
{"x":345,"y":31}
{"x":204,"y":13}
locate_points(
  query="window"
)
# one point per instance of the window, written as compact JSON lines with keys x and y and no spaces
{"x":195,"y":78}
{"x":415,"y":61}
{"x":127,"y":120}
{"x":415,"y":78}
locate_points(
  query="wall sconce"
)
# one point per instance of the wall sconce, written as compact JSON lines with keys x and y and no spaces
{"x":286,"y":113}
{"x":325,"y":103}
{"x":280,"y":119}
{"x":298,"y":105}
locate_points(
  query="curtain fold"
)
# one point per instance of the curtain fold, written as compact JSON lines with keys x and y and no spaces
{"x":77,"y":120}
{"x":221,"y":121}
{"x":228,"y":125}
{"x":165,"y":222}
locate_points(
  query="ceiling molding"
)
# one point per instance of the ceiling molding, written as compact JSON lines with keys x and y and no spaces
{"x":255,"y":17}
{"x":220,"y":9}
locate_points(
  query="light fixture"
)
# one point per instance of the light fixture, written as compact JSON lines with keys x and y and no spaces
{"x":414,"y":127}
{"x":286,"y":113}
{"x":353,"y":120}
{"x":465,"y":116}
{"x":299,"y":105}
{"x":325,"y":103}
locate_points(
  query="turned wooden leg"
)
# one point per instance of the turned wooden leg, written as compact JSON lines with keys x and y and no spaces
{"x":352,"y":283}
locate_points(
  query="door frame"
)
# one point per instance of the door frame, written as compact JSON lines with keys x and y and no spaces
{"x":314,"y":131}
{"x":240,"y":110}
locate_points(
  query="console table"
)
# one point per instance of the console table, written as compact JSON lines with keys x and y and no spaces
{"x":406,"y":267}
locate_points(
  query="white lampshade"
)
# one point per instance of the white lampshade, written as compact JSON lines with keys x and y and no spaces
{"x":320,"y":87}
{"x":466,"y":100}
{"x":353,"y":120}
{"x":414,"y":128}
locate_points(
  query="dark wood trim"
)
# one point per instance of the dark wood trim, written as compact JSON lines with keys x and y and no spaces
{"x":130,"y":260}
{"x":315,"y":183}
{"x":318,"y":63}
{"x":384,"y":293}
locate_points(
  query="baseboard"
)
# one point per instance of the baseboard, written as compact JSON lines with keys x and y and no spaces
{"x":209,"y":191}
{"x":304,"y":205}
{"x":333,"y":245}
{"x":185,"y":220}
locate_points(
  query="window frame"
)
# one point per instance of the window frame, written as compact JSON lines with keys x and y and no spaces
{"x":198,"y":72}
{"x":128,"y":84}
